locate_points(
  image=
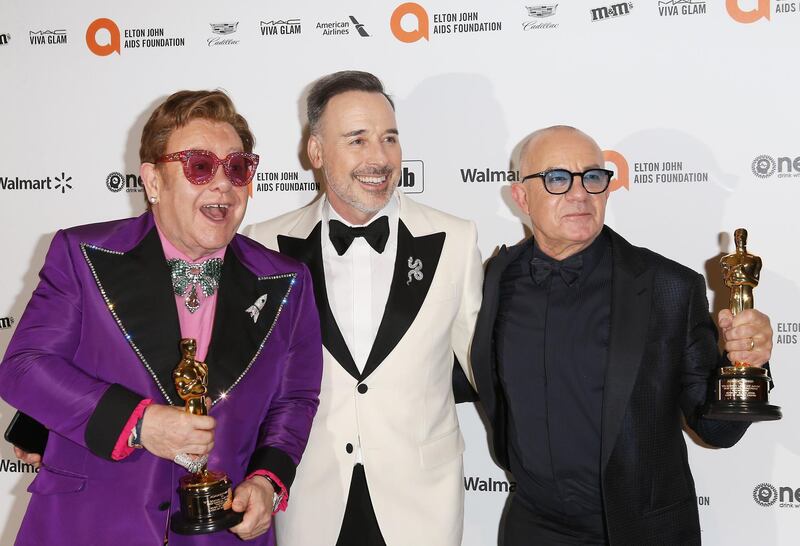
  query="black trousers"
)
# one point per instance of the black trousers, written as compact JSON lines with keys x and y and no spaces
{"x":359,"y":526}
{"x":524,"y":527}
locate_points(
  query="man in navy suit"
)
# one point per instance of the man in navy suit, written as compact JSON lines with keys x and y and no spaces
{"x":588,"y":354}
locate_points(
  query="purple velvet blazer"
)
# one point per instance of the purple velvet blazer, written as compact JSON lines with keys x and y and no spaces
{"x":101,"y":333}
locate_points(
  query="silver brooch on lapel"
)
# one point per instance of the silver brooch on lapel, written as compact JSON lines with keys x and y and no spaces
{"x":414,"y":270}
{"x":257,"y":306}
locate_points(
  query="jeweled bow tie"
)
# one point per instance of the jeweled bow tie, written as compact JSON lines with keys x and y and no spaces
{"x":205,"y":274}
{"x":569,"y":269}
{"x":376,"y":234}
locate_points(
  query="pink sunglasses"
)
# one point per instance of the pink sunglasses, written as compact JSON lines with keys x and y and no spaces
{"x":200,"y":166}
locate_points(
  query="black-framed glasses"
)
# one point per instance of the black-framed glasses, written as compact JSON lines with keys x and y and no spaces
{"x":558,"y":181}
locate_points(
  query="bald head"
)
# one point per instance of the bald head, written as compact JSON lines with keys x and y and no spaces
{"x":565,"y":223}
{"x":537,"y":143}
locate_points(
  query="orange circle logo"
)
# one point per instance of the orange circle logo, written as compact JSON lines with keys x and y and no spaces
{"x":421,"y":16}
{"x":738,"y":14}
{"x":622,"y":180}
{"x":113,"y":45}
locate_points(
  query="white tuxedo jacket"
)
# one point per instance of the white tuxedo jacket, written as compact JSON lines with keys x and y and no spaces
{"x":401,"y":406}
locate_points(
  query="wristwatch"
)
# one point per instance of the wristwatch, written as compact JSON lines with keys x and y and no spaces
{"x":135,"y":439}
{"x":277,"y":495}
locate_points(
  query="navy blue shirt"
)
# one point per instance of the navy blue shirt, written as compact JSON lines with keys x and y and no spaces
{"x":551,"y":342}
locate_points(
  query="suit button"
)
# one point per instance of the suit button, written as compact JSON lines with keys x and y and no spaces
{"x":163,"y":506}
{"x":362,"y":388}
{"x":348,"y":448}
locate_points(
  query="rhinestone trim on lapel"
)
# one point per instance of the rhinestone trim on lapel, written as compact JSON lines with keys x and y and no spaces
{"x":110,"y":307}
{"x":293,"y":276}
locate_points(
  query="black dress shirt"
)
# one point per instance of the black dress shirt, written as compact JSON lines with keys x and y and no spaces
{"x":551,"y":348}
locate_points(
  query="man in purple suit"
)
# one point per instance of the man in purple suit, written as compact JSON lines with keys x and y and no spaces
{"x":93,"y":355}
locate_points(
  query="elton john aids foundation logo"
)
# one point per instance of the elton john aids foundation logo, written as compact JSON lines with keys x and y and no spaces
{"x":762,"y":9}
{"x":750,"y":16}
{"x":104,"y":37}
{"x":410,"y":23}
{"x":620,"y":167}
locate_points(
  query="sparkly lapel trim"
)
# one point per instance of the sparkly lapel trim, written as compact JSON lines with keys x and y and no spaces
{"x":136,"y":289}
{"x":85,"y":247}
{"x":265,"y":282}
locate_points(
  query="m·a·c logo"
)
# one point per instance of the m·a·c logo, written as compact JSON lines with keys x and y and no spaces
{"x":105,"y":48}
{"x":4,"y":39}
{"x":419,"y":28}
{"x":6,"y":322}
{"x":47,"y":37}
{"x":677,"y":8}
{"x":280,"y":26}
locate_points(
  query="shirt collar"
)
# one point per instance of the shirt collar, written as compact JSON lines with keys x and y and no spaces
{"x":390,"y":210}
{"x":592,"y":254}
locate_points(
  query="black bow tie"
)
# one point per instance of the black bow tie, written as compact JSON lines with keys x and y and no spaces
{"x":569,"y":269}
{"x":376,"y":234}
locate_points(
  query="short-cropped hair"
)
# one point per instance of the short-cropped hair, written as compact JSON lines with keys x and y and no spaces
{"x":337,"y":83}
{"x":182,"y":107}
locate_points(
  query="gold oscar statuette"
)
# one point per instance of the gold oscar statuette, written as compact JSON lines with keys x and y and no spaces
{"x":206,"y":496}
{"x":741,"y":391}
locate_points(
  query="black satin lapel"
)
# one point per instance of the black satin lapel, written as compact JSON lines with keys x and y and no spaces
{"x":407,"y":292}
{"x":137,"y":288}
{"x":631,"y":298}
{"x":309,"y":251}
{"x":237,"y":339}
{"x":481,"y":349}
{"x":485,"y":366}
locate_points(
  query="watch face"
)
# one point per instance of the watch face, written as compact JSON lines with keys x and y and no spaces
{"x":276,"y":501}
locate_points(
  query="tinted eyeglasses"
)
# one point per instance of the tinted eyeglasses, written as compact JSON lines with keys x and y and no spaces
{"x":200,"y":166}
{"x":558,"y":181}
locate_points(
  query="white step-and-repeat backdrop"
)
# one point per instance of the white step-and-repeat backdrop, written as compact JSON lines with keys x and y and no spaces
{"x":695,"y":102}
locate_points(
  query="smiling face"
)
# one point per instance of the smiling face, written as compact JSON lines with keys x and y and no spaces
{"x":357,"y":147}
{"x":562,"y":224}
{"x":198,"y":220}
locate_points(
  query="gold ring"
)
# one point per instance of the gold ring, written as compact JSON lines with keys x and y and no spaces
{"x":752,"y":344}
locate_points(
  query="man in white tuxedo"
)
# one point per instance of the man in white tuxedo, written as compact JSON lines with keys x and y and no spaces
{"x":397,"y":286}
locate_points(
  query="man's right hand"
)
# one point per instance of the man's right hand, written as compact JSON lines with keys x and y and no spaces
{"x":168,"y":430}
